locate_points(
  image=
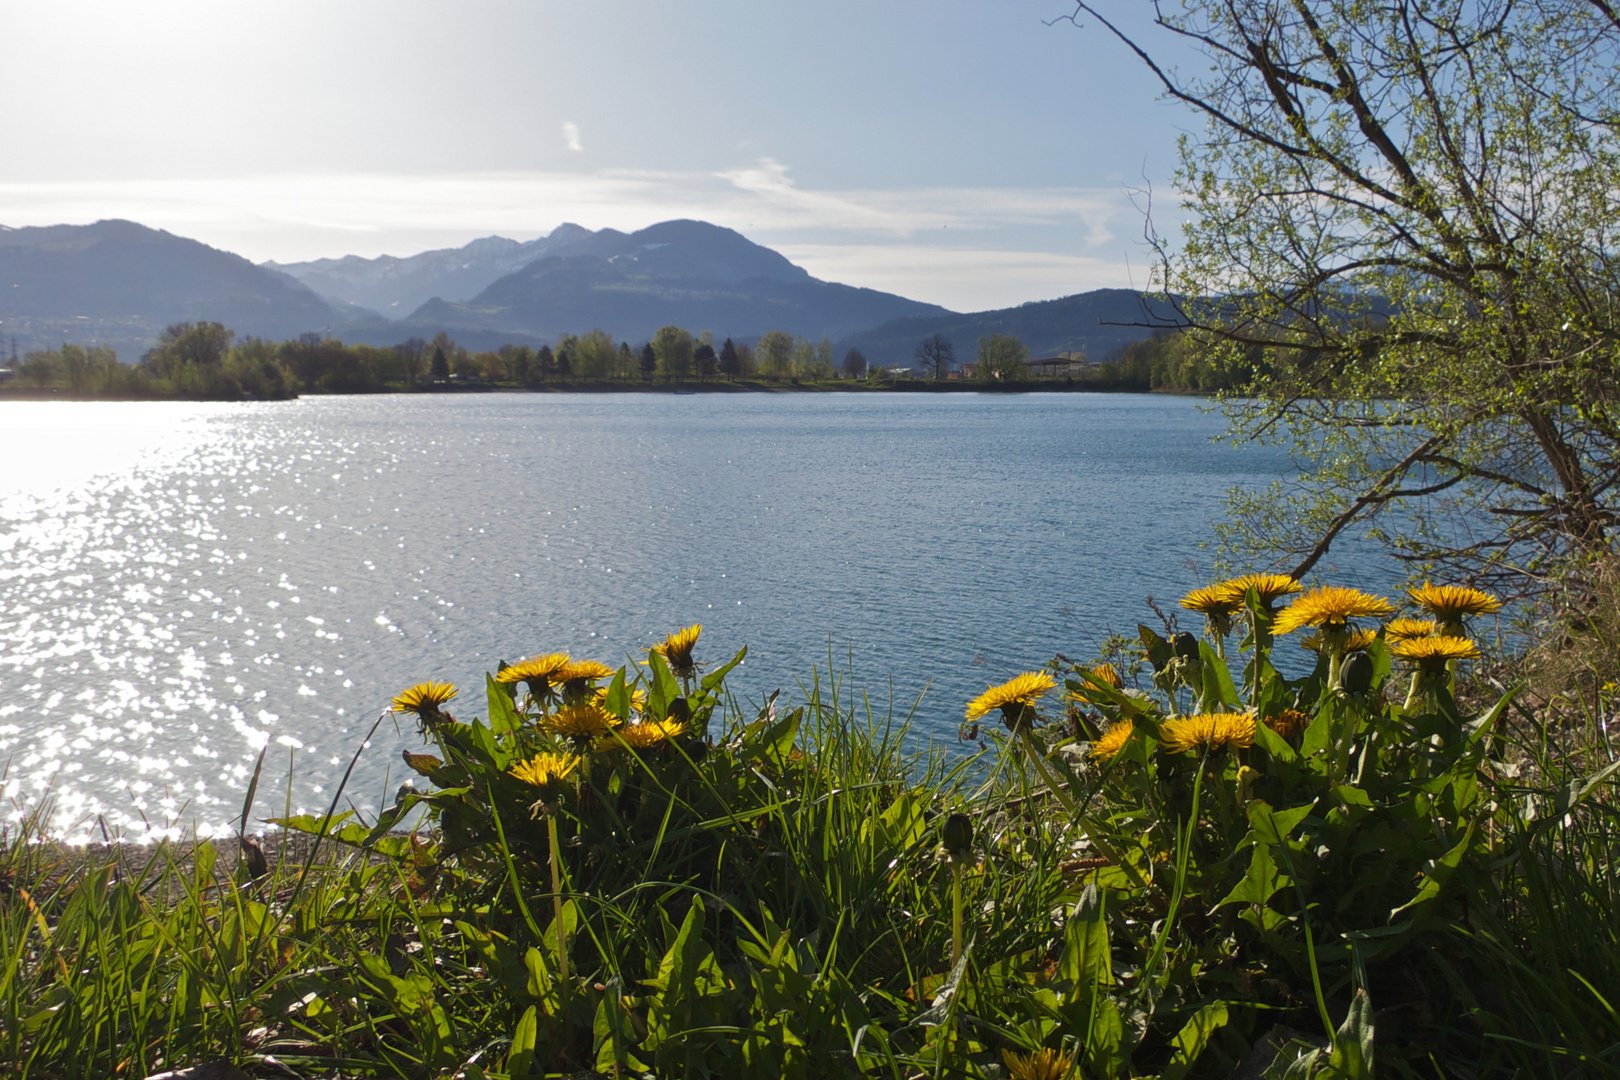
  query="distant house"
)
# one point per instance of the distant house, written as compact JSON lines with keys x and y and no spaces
{"x":1058,"y":367}
{"x":7,"y":374}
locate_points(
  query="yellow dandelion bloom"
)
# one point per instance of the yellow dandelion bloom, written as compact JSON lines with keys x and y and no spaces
{"x":1288,"y":723}
{"x":534,"y":669}
{"x":1016,"y":693}
{"x":1407,"y":629}
{"x":1212,"y":600}
{"x":582,"y":723}
{"x":1434,"y":652}
{"x":1331,"y":606}
{"x":1449,"y":603}
{"x":543,"y":770}
{"x":423,"y":697}
{"x":1269,"y":587}
{"x":677,"y":648}
{"x":1112,"y":741}
{"x":1358,"y":641}
{"x":580,"y":671}
{"x":645,"y":735}
{"x":1045,"y":1064}
{"x":1214,"y":731}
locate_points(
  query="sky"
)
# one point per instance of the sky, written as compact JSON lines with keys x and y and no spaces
{"x":971,"y":154}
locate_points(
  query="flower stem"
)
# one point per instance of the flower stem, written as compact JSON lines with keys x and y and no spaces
{"x":956,"y":913}
{"x":557,"y":910}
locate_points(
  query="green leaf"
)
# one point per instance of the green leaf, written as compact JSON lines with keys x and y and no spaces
{"x":1085,"y":960}
{"x":664,"y":687}
{"x":1195,"y":1035}
{"x":567,"y":921}
{"x":1319,"y":733}
{"x":503,"y":715}
{"x":714,"y":678}
{"x":1352,"y":1056}
{"x":1436,"y":880}
{"x":520,"y":1059}
{"x":618,"y":697}
{"x":1274,"y":744}
{"x":1261,"y":882}
{"x":1159,"y":651}
{"x":1215,"y":669}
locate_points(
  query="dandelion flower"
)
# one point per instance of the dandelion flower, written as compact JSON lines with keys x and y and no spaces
{"x":1268,"y":587}
{"x":577,"y":675}
{"x":1212,"y":731}
{"x":1358,"y":641}
{"x":1045,"y":1064}
{"x":424,"y":697}
{"x":1432,"y":653}
{"x":535,"y":669}
{"x":1288,"y":723}
{"x":581,"y":723}
{"x":1111,"y":742}
{"x":677,"y":649}
{"x":1407,"y":629}
{"x":582,"y":671}
{"x":1331,"y":607}
{"x":543,"y":770}
{"x":1014,"y":698}
{"x":1212,"y":600}
{"x":646,"y":735}
{"x":1449,"y":603}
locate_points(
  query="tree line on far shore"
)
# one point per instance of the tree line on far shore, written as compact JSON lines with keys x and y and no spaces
{"x":206,"y":360}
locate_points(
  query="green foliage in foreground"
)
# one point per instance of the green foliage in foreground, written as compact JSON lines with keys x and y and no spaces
{"x":623,"y":874}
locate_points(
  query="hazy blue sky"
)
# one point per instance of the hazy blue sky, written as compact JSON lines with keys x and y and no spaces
{"x":960,"y":152}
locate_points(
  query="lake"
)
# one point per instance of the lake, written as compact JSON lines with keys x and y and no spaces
{"x":182,"y":582}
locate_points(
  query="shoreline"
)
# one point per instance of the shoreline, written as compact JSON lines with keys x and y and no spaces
{"x":1067,"y":386}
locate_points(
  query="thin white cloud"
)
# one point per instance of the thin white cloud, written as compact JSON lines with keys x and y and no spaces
{"x":963,"y":247}
{"x":570,"y":133}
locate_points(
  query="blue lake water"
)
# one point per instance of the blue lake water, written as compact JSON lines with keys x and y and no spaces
{"x":181,"y":582}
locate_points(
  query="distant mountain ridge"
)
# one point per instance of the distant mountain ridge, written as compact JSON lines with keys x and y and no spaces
{"x":1095,"y":323}
{"x":118,"y":283}
{"x":683,"y":273}
{"x":395,"y":286}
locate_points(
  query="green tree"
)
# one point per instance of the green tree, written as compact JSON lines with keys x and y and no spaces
{"x":199,"y":346}
{"x":775,"y":355}
{"x":803,"y":359}
{"x":649,"y":362}
{"x":673,"y":347}
{"x":1002,"y":358}
{"x":1408,"y":212}
{"x":624,"y":362}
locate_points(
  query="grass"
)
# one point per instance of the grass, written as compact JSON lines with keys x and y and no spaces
{"x":766,"y":895}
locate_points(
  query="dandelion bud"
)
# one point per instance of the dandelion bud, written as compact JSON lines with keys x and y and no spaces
{"x":680,"y":711}
{"x":1186,"y":646}
{"x":1356,"y":673}
{"x":958,"y":835}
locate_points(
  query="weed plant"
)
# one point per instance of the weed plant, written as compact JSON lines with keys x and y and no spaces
{"x":620,"y":872}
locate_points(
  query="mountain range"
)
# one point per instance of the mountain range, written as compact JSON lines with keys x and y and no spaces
{"x":119,"y":283}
